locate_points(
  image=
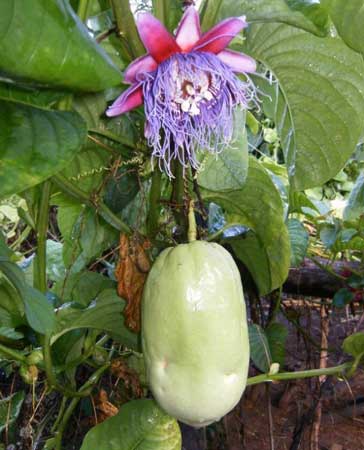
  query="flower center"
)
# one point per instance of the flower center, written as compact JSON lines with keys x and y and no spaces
{"x":190,"y":89}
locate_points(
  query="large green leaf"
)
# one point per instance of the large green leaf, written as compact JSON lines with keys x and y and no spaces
{"x":319,"y":112}
{"x":228,"y":170}
{"x":306,"y":14}
{"x":265,"y":250}
{"x":104,"y":314}
{"x":140,"y":425}
{"x":44,"y":41}
{"x":348,"y":17}
{"x":35,"y":144}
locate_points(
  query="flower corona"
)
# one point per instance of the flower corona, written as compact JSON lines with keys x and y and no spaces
{"x":189,"y":87}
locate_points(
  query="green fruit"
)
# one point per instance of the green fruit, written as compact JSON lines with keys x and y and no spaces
{"x":194,"y":332}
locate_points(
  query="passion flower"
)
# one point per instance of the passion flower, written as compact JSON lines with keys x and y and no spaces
{"x":188,"y":85}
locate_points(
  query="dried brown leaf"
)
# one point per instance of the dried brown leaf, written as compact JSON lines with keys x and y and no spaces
{"x":131,"y":273}
{"x":130,"y":377}
{"x":104,"y":408}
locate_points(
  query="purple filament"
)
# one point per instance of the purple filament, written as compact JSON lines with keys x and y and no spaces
{"x":189,"y":103}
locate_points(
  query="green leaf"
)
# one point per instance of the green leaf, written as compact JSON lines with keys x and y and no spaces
{"x":121,"y":189}
{"x":140,"y":425}
{"x":299,"y":241}
{"x":55,"y":266}
{"x":300,"y":203}
{"x":276,"y":334}
{"x":228,"y":170}
{"x":10,"y":333}
{"x":355,"y":206}
{"x":267,"y":346}
{"x":259,"y":348}
{"x":35,"y":144}
{"x":104,"y":314}
{"x":342,"y":298}
{"x":354,"y":345}
{"x":265,"y":249}
{"x":329,"y":234}
{"x":10,"y":409}
{"x":82,"y":287}
{"x":29,"y":96}
{"x":45,"y":42}
{"x":11,"y":305}
{"x":348,"y":17}
{"x":306,"y":14}
{"x":319,"y":111}
{"x":38,"y":311}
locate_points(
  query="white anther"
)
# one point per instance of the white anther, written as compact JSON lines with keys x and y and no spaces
{"x":185,"y":106}
{"x":194,"y":111}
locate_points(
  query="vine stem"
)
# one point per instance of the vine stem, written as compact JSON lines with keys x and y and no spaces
{"x":83,"y":8}
{"x":126,"y":26}
{"x":266,"y":377}
{"x":159,"y":10}
{"x":154,"y":203}
{"x":94,"y":378}
{"x":12,"y":354}
{"x":178,"y":197}
{"x":114,"y":137}
{"x":40,"y":273}
{"x":74,"y":191}
{"x":192,"y":227}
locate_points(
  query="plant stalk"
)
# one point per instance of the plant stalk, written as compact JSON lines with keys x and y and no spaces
{"x":83,"y":8}
{"x":126,"y":26}
{"x":192,"y":227}
{"x":12,"y":354}
{"x":40,"y":272}
{"x":159,"y":10}
{"x":154,"y":203}
{"x":178,"y":197}
{"x":266,"y":377}
{"x":94,"y":378}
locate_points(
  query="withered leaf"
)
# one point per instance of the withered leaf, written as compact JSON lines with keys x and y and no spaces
{"x":120,"y":369}
{"x":104,"y":408}
{"x":131,"y":273}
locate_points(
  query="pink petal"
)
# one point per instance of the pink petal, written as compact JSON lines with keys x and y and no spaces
{"x":140,"y":65}
{"x":129,"y":99}
{"x":220,"y":36}
{"x":156,"y":39}
{"x":189,"y":30}
{"x":238,"y":61}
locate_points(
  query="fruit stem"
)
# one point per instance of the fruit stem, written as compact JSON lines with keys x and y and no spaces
{"x":266,"y":377}
{"x":192,"y":229}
